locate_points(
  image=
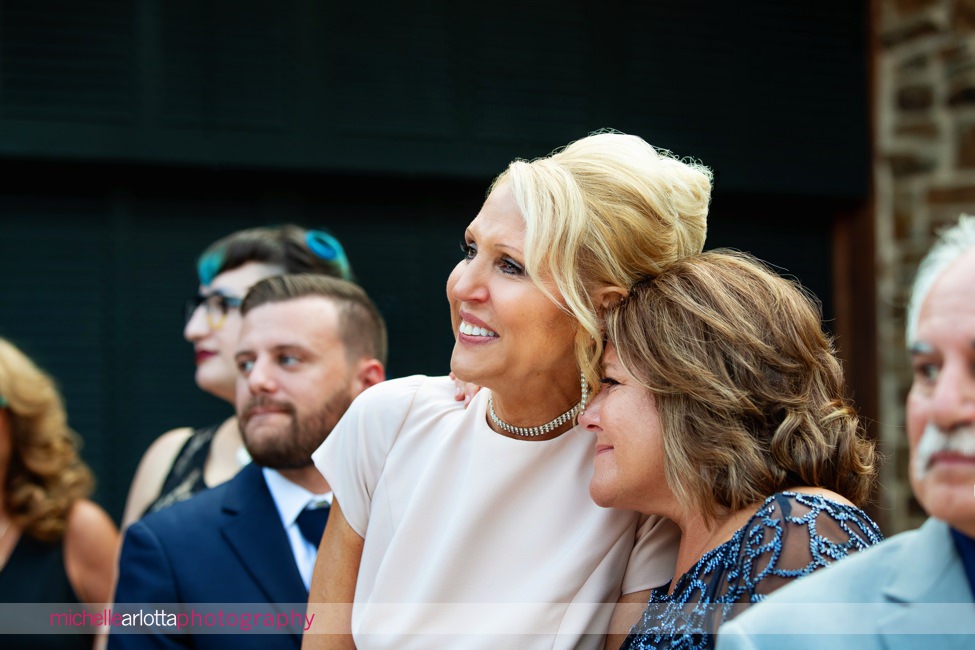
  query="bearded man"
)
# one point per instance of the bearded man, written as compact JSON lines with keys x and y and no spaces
{"x":309,"y":344}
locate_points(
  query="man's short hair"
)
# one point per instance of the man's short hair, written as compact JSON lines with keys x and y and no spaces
{"x":361,"y":326}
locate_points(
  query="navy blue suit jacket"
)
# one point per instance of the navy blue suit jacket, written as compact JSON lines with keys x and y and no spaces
{"x":225,"y":545}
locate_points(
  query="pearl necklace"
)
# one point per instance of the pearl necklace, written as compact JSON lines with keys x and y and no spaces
{"x":541,"y":430}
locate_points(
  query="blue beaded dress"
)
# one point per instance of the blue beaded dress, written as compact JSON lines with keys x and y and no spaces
{"x":790,"y":536}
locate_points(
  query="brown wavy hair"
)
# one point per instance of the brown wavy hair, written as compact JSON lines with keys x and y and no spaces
{"x":750,"y":393}
{"x":45,"y":475}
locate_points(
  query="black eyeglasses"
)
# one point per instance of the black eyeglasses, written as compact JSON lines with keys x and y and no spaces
{"x":217,"y":307}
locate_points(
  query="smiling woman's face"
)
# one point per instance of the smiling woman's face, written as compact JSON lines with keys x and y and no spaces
{"x":628,"y":470}
{"x":509,"y":334}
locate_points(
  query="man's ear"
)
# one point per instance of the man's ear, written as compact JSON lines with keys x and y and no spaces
{"x":369,"y":373}
{"x":608,"y":297}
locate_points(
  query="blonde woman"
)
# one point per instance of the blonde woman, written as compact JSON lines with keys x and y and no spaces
{"x":472,"y":527}
{"x":56,"y":546}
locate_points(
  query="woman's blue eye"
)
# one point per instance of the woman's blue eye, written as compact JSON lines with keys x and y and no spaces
{"x":507,"y":265}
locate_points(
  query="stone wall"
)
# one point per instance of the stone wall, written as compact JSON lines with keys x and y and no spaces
{"x":924,"y":174}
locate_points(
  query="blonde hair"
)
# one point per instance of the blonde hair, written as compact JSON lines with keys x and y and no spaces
{"x":750,"y":393}
{"x":603,"y":212}
{"x":45,"y":475}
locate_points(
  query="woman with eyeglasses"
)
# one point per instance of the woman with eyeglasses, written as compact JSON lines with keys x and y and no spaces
{"x":185,"y":461}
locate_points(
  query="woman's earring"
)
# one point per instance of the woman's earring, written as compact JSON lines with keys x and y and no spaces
{"x":585,"y":393}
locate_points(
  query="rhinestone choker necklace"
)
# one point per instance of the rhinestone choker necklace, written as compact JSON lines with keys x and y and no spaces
{"x":541,"y":430}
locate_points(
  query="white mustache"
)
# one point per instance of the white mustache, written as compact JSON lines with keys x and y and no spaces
{"x":935,"y":441}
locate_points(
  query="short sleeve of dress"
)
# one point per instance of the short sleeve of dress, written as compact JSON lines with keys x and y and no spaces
{"x":654,"y":555}
{"x":795,"y":534}
{"x":353,"y":455}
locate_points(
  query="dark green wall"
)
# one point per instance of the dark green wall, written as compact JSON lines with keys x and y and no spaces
{"x":132,"y":134}
{"x":98,"y":270}
{"x":771,"y":93}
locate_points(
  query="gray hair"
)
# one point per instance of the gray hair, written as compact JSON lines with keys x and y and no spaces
{"x":952,"y":243}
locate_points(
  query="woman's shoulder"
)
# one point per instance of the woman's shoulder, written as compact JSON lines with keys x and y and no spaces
{"x":409,"y":392}
{"x":812,"y":525}
{"x":164,"y":449}
{"x":793,"y":534}
{"x":803,"y":506}
{"x":154,"y":467}
{"x":90,"y":540}
{"x":86,"y":516}
{"x":388,"y":407}
{"x":413,"y":383}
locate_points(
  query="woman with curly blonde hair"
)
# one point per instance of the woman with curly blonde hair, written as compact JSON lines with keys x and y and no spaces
{"x":56,"y":546}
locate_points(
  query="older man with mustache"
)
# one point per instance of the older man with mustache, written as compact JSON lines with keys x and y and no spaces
{"x":916,"y":590}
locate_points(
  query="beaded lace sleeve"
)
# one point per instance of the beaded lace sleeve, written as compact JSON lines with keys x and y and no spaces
{"x":791,"y":536}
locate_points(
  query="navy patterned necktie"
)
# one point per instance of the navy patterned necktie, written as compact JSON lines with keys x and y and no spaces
{"x":311,"y":523}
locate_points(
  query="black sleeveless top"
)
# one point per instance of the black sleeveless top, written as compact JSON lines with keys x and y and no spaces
{"x":185,"y":477}
{"x":34,"y":576}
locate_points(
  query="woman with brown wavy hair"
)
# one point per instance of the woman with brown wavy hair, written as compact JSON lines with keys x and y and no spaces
{"x":56,"y":546}
{"x":723,"y":409}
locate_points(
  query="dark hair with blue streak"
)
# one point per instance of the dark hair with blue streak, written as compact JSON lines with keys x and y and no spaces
{"x":293,"y":248}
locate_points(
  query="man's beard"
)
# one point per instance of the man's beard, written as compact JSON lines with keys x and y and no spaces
{"x":291,"y":446}
{"x":934,"y":441}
